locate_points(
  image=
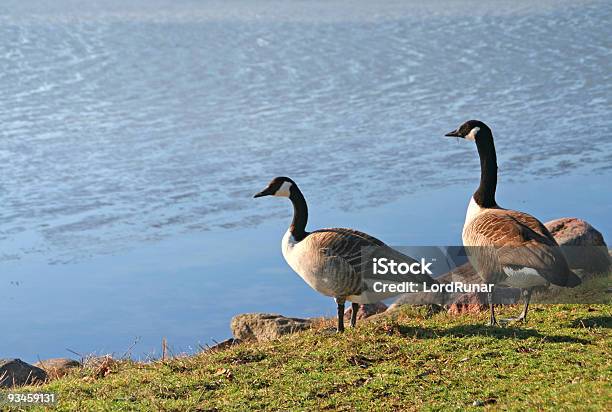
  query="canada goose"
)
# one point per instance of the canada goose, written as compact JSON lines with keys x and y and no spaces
{"x":331,"y":260}
{"x":507,"y":247}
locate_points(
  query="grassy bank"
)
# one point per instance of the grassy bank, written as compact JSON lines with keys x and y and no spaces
{"x":562,"y":359}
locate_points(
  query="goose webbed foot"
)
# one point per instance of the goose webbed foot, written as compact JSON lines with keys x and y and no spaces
{"x":354,"y":310}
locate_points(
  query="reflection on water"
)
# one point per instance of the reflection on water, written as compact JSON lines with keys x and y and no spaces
{"x":129,"y":123}
{"x":133,"y":136}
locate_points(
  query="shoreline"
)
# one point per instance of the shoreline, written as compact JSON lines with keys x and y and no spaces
{"x":125,"y":292}
{"x":402,"y":350}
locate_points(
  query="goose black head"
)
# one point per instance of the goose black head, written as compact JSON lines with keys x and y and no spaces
{"x":471,"y":130}
{"x":279,"y":186}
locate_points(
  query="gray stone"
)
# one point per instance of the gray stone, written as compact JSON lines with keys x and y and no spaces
{"x":266,"y":326}
{"x":15,"y":372}
{"x":583,"y":245}
{"x":58,"y":367}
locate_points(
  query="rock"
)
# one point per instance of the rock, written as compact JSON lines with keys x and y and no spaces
{"x":582,"y":244}
{"x":367,"y":310}
{"x":266,"y":326}
{"x":15,"y":372}
{"x":58,"y":367}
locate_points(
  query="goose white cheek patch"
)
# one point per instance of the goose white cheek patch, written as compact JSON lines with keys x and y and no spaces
{"x":283,"y":191}
{"x":472,"y":134}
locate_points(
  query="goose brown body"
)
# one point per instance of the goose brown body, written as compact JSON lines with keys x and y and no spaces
{"x":504,"y":244}
{"x":507,"y":247}
{"x":332,"y":262}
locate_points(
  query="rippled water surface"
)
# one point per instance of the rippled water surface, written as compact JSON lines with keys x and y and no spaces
{"x":127,"y":125}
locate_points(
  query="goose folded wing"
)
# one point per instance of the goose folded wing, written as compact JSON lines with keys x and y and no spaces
{"x":545,"y":260}
{"x":520,"y":241}
{"x":345,"y":244}
{"x":532,"y":227}
{"x":507,"y":228}
{"x":358,"y":250}
{"x":340,"y":251}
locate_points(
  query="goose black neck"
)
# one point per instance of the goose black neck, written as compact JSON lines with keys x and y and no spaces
{"x":485,"y":194}
{"x":300,"y":214}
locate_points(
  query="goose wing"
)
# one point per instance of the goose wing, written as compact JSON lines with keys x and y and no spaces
{"x":341,"y":253}
{"x":519,"y":242}
{"x":355,"y":250}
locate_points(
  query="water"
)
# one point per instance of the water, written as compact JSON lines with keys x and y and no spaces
{"x":133,"y":136}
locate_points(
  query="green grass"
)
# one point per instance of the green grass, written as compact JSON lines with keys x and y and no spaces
{"x":560,"y":360}
{"x":592,"y":290}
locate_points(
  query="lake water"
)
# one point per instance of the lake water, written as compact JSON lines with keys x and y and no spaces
{"x":132,"y":137}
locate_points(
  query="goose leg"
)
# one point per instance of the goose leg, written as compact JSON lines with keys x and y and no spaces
{"x":523,"y":316}
{"x":492,"y":321}
{"x":527,"y":297}
{"x":354,"y":310}
{"x":340,"y":303}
